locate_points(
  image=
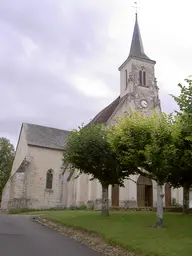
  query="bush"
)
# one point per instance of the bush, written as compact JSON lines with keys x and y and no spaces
{"x":25,"y":210}
{"x":18,"y":211}
{"x":148,"y":209}
{"x":81,"y":207}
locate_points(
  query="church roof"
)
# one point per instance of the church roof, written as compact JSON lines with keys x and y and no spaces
{"x":137,"y":49}
{"x":104,"y":115}
{"x":47,"y":137}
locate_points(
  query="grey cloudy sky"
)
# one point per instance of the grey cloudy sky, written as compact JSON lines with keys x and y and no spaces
{"x":59,"y":59}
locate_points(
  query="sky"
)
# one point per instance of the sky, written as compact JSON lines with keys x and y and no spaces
{"x":59,"y":59}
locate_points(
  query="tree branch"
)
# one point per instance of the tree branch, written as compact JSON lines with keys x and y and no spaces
{"x":64,"y":168}
{"x":132,"y":180}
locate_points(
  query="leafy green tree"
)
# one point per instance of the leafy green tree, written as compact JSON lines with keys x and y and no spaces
{"x":181,"y":174}
{"x":145,"y":143}
{"x":89,"y":151}
{"x":7,"y":153}
{"x":184,"y":101}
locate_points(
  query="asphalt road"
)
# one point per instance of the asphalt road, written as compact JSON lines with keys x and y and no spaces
{"x":19,"y":236}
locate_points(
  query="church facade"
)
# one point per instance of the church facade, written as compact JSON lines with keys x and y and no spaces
{"x":39,"y":179}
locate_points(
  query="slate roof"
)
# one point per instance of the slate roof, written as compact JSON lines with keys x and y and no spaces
{"x":104,"y":115}
{"x":47,"y":137}
{"x":137,"y":49}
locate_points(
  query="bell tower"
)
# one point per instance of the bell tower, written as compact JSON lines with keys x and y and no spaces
{"x":137,"y":76}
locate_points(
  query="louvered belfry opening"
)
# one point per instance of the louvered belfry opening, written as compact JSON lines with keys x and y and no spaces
{"x":144,"y":192}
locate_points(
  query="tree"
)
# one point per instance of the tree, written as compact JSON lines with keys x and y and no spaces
{"x":181,"y":174}
{"x":145,"y":143}
{"x":181,"y":163}
{"x":7,"y":153}
{"x":184,"y":101}
{"x":89,"y":151}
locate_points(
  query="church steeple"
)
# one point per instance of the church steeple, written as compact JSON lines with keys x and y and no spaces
{"x":137,"y":49}
{"x":138,"y":70}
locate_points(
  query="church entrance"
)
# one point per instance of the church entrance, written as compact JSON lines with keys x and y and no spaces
{"x":144,"y":192}
{"x":115,"y":196}
{"x":167,"y":195}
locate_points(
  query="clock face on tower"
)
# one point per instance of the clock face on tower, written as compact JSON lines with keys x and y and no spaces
{"x":144,"y":103}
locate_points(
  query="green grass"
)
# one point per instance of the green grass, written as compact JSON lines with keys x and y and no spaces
{"x":133,"y":230}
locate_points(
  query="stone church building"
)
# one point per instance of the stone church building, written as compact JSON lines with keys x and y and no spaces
{"x":39,"y":179}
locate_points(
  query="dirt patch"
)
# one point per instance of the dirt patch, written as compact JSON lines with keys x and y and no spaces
{"x":90,"y":239}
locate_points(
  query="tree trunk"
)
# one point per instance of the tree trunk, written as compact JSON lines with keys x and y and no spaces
{"x":160,"y":195}
{"x":186,"y":198}
{"x":105,"y":201}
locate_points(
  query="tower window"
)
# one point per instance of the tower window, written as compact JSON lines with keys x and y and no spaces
{"x":142,"y":78}
{"x":126,"y":79}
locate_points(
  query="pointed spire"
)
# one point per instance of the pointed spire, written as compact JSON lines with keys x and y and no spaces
{"x":137,"y":49}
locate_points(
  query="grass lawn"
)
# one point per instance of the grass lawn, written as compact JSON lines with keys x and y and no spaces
{"x":133,"y":230}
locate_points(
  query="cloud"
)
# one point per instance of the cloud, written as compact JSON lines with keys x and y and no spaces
{"x":59,"y":59}
{"x":42,"y":44}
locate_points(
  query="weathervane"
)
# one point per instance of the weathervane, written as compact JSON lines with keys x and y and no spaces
{"x":135,"y":6}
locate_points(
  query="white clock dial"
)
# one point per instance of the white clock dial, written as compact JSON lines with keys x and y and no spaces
{"x":144,"y":104}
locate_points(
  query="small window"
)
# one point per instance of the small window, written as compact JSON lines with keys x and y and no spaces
{"x":49,"y":179}
{"x":126,"y":79}
{"x":140,"y":77}
{"x":144,"y":78}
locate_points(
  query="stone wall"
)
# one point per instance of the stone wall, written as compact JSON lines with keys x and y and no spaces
{"x":21,"y":150}
{"x":5,"y":195}
{"x":15,"y":192}
{"x":35,"y":187}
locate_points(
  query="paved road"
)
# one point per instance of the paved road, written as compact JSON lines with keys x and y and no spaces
{"x":19,"y":236}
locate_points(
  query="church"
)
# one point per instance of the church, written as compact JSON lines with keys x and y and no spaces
{"x":39,"y":179}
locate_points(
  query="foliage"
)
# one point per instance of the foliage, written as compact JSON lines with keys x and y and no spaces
{"x":181,"y":174}
{"x":132,"y":231}
{"x":181,"y":158}
{"x":185,"y":98}
{"x":184,"y":101}
{"x":128,"y":139}
{"x":89,"y":151}
{"x":30,"y":211}
{"x":144,"y":143}
{"x":7,"y":153}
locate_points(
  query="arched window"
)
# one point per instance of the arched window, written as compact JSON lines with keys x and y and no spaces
{"x":126,"y":79}
{"x":142,"y":78}
{"x":49,"y":179}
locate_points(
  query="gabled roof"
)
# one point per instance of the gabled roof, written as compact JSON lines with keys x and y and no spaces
{"x":104,"y":115}
{"x":46,"y":137}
